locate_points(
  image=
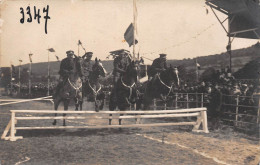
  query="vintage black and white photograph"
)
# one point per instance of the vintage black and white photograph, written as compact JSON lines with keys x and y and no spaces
{"x":129,"y":82}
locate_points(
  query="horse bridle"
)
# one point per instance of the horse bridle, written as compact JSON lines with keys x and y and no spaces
{"x":130,"y":88}
{"x":169,"y":87}
{"x":76,"y":88}
{"x":96,"y":92}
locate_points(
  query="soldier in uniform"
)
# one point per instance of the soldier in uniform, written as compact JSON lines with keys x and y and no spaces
{"x":120,"y":65}
{"x":66,"y":67}
{"x":158,"y":65}
{"x":87,"y":65}
{"x":87,"y":68}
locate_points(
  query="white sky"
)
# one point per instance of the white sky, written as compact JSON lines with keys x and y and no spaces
{"x":100,"y":25}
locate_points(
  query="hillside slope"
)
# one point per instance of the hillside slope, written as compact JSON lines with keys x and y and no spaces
{"x":239,"y":58}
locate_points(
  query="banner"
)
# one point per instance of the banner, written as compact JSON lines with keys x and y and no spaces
{"x":129,"y":35}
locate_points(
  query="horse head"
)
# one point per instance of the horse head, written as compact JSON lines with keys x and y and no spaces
{"x":78,"y":61}
{"x":173,"y":75}
{"x":98,"y":69}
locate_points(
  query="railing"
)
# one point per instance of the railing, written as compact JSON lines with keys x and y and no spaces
{"x":199,"y":113}
{"x":182,"y":100}
{"x":16,"y":101}
{"x":241,"y":112}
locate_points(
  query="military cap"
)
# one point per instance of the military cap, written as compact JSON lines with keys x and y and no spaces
{"x":70,"y":52}
{"x":89,"y":53}
{"x":163,"y":55}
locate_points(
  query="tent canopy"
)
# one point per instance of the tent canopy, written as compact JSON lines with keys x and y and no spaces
{"x":243,"y":16}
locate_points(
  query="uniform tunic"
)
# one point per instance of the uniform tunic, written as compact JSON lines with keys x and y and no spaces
{"x":66,"y":65}
{"x":87,"y":68}
{"x":157,"y":66}
{"x":120,"y":66}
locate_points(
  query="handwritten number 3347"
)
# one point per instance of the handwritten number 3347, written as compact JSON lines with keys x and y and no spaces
{"x":36,"y":15}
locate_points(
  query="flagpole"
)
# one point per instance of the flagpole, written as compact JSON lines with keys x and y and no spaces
{"x":48,"y":93}
{"x":197,"y":71}
{"x":30,"y":73}
{"x":11,"y":79}
{"x":134,"y":30}
{"x":78,"y":49}
{"x":20,"y":77}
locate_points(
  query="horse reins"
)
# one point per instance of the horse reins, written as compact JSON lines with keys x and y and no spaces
{"x":96,"y":92}
{"x":76,"y":88}
{"x":130,"y":88}
{"x":169,"y":87}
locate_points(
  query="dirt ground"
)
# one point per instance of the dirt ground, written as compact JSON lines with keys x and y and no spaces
{"x":158,"y":145}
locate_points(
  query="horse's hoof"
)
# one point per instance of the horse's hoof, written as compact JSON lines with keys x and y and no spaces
{"x":97,"y":110}
{"x":64,"y":125}
{"x":54,"y":123}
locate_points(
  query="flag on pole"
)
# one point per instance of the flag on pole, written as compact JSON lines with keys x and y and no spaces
{"x":135,"y":14}
{"x":30,"y":57}
{"x":79,"y":43}
{"x":129,"y":35}
{"x":51,"y":50}
{"x":58,"y":59}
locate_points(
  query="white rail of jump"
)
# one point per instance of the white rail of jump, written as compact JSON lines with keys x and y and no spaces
{"x":200,"y":113}
{"x":16,"y":101}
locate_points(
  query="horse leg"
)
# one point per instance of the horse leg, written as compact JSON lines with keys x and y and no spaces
{"x":80,"y":104}
{"x":112,"y":105}
{"x":76,"y":104}
{"x":120,"y":120}
{"x":56,"y":105}
{"x":102,"y":104}
{"x":96,"y":104}
{"x":66,"y":106}
{"x":110,"y":120}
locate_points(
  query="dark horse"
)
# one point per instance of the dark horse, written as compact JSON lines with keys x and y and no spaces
{"x":160,"y":86}
{"x":72,"y":88}
{"x":93,"y":88}
{"x":125,"y":90}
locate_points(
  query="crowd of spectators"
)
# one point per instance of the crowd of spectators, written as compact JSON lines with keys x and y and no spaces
{"x":38,"y":89}
{"x":223,"y":90}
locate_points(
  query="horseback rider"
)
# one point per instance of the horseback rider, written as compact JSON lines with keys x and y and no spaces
{"x":120,"y":65}
{"x":158,"y":65}
{"x":66,"y":67}
{"x":87,"y":65}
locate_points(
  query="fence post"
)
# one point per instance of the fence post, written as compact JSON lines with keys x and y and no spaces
{"x":176,"y":101}
{"x":237,"y":103}
{"x":201,"y":103}
{"x":197,"y":100}
{"x":204,"y":121}
{"x":154,"y":104}
{"x":187,"y":100}
{"x":258,"y":112}
{"x":13,"y":131}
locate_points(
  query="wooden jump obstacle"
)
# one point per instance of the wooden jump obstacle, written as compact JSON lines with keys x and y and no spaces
{"x":15,"y":101}
{"x":200,"y":113}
